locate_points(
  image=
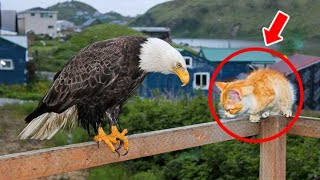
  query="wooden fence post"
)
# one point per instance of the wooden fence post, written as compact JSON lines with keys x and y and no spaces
{"x":273,"y":153}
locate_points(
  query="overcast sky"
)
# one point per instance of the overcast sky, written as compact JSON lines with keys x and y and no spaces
{"x":124,"y":7}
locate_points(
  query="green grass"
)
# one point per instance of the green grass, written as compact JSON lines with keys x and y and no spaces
{"x":108,"y":172}
{"x":33,"y":91}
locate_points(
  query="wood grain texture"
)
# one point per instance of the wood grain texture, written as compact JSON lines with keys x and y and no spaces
{"x":56,"y":160}
{"x":273,"y":153}
{"x":306,"y":126}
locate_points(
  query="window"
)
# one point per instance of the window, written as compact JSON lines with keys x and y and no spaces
{"x":33,"y":14}
{"x":201,"y":80}
{"x":6,"y":64}
{"x":50,"y":27}
{"x":188,"y":61}
{"x":44,"y":15}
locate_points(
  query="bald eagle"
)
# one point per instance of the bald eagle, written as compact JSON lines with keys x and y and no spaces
{"x":93,"y":86}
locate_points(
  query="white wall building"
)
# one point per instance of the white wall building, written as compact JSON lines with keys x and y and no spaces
{"x":38,"y":20}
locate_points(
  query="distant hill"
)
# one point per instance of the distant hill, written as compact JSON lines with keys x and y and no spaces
{"x":79,"y":13}
{"x":230,"y":18}
{"x":74,"y":11}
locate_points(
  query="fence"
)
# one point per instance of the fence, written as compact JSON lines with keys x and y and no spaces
{"x":56,"y":160}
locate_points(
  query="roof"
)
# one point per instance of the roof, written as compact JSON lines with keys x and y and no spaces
{"x":38,"y":9}
{"x":6,"y":32}
{"x":151,"y":29}
{"x":89,"y":22}
{"x":219,"y":43}
{"x":9,"y":20}
{"x":19,"y":40}
{"x":64,"y":21}
{"x":219,"y":54}
{"x":300,"y":61}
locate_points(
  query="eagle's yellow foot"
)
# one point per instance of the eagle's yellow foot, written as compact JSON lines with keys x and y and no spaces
{"x":113,"y":138}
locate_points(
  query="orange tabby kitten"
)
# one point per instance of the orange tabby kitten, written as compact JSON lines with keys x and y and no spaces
{"x":262,"y":93}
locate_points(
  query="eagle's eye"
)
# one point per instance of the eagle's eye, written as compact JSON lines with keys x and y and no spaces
{"x":179,"y":65}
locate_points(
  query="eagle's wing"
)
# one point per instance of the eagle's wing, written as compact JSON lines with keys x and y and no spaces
{"x":93,"y":68}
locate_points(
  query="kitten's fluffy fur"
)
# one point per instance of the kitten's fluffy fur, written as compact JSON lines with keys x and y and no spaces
{"x":262,"y":93}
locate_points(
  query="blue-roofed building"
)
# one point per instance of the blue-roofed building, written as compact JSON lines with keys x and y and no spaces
{"x":201,"y":67}
{"x":91,"y":22}
{"x":170,"y":85}
{"x":13,"y":59}
{"x":238,"y":64}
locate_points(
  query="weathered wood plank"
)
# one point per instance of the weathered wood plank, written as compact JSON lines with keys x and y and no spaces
{"x":56,"y":160}
{"x":306,"y":126}
{"x":273,"y":153}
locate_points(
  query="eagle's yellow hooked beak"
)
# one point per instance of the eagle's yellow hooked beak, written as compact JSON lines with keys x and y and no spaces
{"x":183,"y":74}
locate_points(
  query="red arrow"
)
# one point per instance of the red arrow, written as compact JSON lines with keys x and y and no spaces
{"x":272,"y":34}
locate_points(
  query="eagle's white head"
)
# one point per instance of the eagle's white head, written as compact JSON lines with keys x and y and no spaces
{"x":157,"y":55}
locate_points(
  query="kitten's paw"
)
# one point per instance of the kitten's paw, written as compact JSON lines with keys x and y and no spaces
{"x":265,"y":114}
{"x":254,"y":118}
{"x":287,"y":113}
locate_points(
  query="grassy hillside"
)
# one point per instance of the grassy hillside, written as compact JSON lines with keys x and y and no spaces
{"x":74,"y":11}
{"x":79,"y":12}
{"x":229,"y":18}
{"x":55,"y":54}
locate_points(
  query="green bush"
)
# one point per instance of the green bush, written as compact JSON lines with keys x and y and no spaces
{"x":108,"y":172}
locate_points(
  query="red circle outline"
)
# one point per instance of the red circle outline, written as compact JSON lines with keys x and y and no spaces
{"x":301,"y":91}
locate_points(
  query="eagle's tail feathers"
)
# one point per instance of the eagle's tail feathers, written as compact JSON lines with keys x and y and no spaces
{"x":47,"y":125}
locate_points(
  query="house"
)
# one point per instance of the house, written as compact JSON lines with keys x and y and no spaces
{"x":91,"y":22}
{"x":237,"y":65}
{"x":170,"y":85}
{"x":13,"y":59}
{"x":38,"y":20}
{"x":201,"y":67}
{"x":9,"y":21}
{"x":64,"y":29}
{"x":63,"y":25}
{"x":309,"y":70}
{"x":158,"y":32}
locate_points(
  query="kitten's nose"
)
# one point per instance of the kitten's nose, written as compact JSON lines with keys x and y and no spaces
{"x":228,"y":115}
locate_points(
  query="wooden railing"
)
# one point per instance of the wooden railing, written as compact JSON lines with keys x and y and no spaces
{"x":56,"y":160}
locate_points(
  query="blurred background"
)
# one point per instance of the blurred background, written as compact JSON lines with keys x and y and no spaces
{"x":37,"y":37}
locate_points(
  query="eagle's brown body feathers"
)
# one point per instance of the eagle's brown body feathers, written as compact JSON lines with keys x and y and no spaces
{"x":97,"y":81}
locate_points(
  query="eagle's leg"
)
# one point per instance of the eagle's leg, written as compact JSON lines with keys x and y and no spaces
{"x":113,"y":138}
{"x":113,"y":115}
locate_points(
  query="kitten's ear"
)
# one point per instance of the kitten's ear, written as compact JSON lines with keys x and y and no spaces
{"x":246,"y":90}
{"x":234,"y":96}
{"x":221,"y":85}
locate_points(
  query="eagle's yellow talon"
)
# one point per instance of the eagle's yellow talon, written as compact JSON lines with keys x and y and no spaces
{"x":112,"y":138}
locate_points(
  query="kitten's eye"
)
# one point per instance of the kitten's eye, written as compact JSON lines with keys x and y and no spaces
{"x":179,"y":65}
